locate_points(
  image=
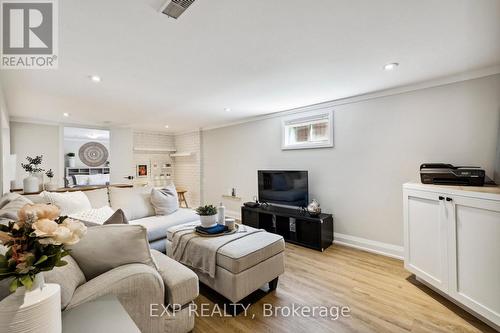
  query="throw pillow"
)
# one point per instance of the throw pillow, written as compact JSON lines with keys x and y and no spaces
{"x":10,"y":210}
{"x":117,"y":218}
{"x":109,"y":246}
{"x":165,"y":200}
{"x":81,"y":180}
{"x":69,"y":277}
{"x":97,"y":216}
{"x":68,"y":202}
{"x":8,"y":198}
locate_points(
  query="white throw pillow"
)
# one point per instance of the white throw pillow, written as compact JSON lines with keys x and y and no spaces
{"x":68,"y":202}
{"x":81,"y":180}
{"x":98,"y":179}
{"x":95,"y":215}
{"x":165,"y":200}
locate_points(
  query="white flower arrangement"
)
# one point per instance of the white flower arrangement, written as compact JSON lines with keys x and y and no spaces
{"x":36,"y":243}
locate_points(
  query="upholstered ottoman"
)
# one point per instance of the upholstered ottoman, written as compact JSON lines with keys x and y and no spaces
{"x":243,"y":265}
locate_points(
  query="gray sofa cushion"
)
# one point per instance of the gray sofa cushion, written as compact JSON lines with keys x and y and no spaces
{"x":249,"y":251}
{"x":69,"y":277}
{"x":157,"y":225}
{"x":182,"y":285}
{"x":98,"y":198}
{"x":109,"y":246}
{"x":135,"y":202}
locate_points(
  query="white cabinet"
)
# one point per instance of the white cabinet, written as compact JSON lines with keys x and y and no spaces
{"x":452,"y":242}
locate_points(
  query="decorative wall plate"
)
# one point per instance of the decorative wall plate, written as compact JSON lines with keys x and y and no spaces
{"x":93,"y":154}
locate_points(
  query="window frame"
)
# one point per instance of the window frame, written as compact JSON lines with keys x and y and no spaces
{"x":304,"y":118}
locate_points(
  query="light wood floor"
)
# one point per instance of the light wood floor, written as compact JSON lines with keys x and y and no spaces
{"x":382,"y":296}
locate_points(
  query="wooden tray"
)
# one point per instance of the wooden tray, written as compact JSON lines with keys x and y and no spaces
{"x":229,"y":232}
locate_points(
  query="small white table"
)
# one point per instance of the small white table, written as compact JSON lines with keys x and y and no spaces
{"x":102,"y":315}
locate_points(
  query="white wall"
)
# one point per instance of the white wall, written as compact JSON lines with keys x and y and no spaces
{"x":497,"y":163}
{"x":154,"y":140}
{"x":29,"y":139}
{"x":187,"y":169}
{"x":379,"y":145}
{"x":72,"y":145}
{"x":4,"y":145}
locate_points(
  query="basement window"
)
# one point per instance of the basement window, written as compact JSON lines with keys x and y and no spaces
{"x":308,"y":130}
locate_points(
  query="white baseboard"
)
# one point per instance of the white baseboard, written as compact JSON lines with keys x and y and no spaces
{"x":385,"y":249}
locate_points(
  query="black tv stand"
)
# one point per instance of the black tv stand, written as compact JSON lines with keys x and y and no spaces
{"x":295,"y":225}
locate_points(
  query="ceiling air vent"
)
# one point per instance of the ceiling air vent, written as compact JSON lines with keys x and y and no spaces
{"x":174,"y":8}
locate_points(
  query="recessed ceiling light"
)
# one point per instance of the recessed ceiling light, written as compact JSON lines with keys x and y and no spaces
{"x":391,"y":66}
{"x":95,"y":78}
{"x":66,"y":114}
{"x":166,"y":126}
{"x":227,"y":109}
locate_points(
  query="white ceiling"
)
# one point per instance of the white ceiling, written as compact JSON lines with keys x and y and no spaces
{"x":254,"y":57}
{"x":78,"y":133}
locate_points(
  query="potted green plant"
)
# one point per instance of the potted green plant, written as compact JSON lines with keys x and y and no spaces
{"x":31,"y":184}
{"x":51,"y":186}
{"x":208,"y":215}
{"x":71,"y":159}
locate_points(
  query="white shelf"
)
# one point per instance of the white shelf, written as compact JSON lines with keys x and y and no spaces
{"x":225,"y":196}
{"x":181,"y":154}
{"x":157,"y":150}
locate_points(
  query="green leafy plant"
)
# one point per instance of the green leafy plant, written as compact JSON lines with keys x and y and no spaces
{"x":36,"y":243}
{"x":33,"y":165}
{"x":206,"y":210}
{"x":50,"y":173}
{"x":70,"y":154}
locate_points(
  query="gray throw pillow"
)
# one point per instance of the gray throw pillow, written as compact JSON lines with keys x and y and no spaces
{"x":165,"y":200}
{"x":6,"y":198}
{"x":69,"y":277}
{"x":10,"y":210}
{"x":109,"y":246}
{"x":118,"y":217}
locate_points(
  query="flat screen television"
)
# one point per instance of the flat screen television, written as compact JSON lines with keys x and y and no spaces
{"x":288,"y":188}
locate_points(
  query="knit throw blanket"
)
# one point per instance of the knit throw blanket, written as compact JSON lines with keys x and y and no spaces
{"x":200,"y":252}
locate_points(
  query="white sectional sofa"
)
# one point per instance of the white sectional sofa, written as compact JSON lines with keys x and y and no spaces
{"x":136,"y":283}
{"x":135,"y":203}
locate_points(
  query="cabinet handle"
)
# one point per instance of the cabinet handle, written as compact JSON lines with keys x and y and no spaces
{"x":449,"y":199}
{"x":441,"y":197}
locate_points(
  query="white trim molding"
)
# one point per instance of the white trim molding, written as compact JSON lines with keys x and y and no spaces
{"x":437,"y":82}
{"x":389,"y":250}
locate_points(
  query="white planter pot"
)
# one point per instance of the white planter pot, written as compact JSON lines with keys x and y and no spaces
{"x":52,"y":186}
{"x":35,"y":310}
{"x":208,"y":220}
{"x":71,"y":162}
{"x":31,"y":184}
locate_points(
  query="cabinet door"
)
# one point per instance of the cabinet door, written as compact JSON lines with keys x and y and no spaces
{"x":426,"y":237}
{"x":250,"y":217}
{"x":475,"y":255}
